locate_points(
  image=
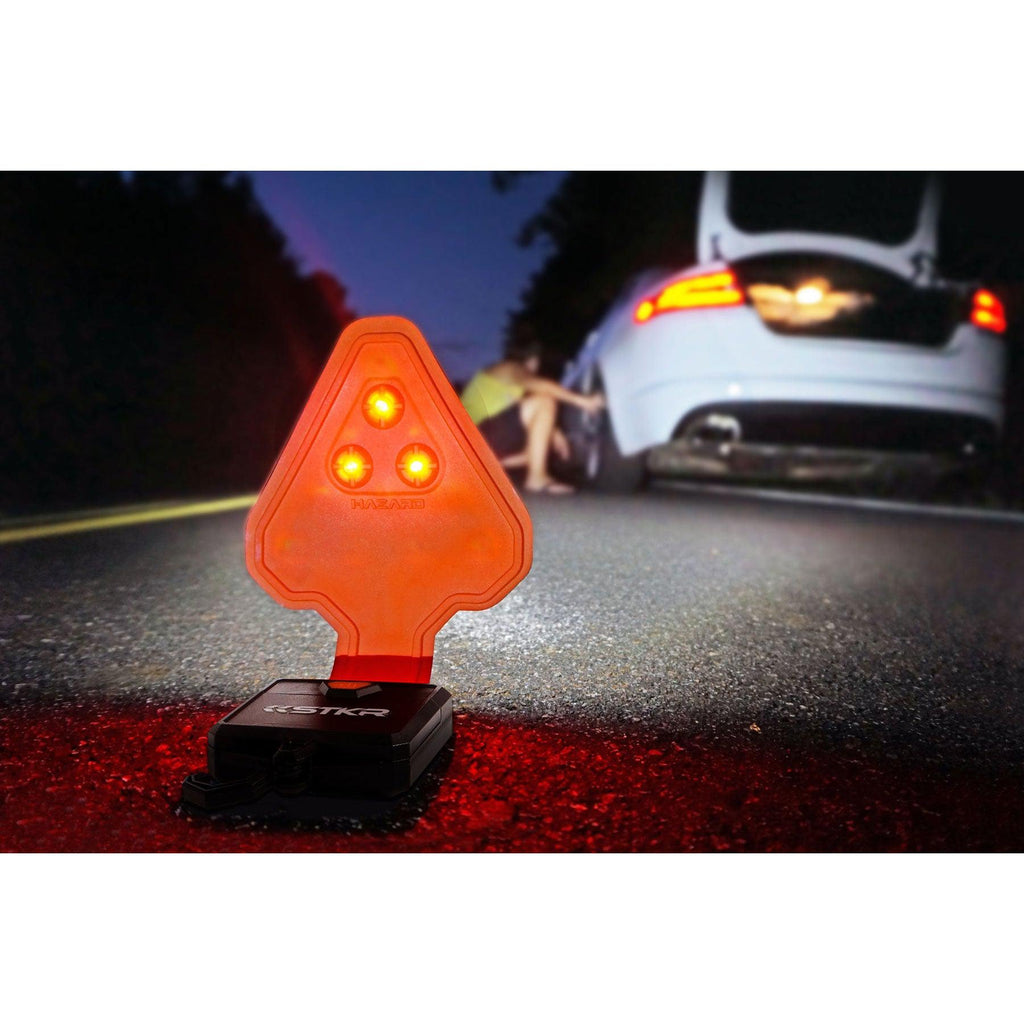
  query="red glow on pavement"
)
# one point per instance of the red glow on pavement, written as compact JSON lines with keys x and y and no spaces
{"x":109,"y":779}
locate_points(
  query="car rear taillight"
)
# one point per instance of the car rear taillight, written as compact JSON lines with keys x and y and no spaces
{"x":987,"y":312}
{"x":717,"y":289}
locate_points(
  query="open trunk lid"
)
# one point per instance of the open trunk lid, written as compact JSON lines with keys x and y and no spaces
{"x":886,"y":218}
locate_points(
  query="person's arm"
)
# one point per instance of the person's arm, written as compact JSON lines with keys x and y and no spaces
{"x":543,"y":386}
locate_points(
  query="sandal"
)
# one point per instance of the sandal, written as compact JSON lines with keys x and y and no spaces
{"x":551,"y":487}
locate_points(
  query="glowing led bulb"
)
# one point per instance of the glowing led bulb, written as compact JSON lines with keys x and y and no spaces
{"x":417,"y":465}
{"x":352,"y":466}
{"x":812,"y":293}
{"x":383,"y":407}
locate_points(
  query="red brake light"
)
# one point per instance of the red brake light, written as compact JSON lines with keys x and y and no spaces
{"x":717,"y":289}
{"x":988,"y":312}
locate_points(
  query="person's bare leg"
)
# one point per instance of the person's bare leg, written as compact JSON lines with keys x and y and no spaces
{"x":516,"y":461}
{"x":538,"y":415}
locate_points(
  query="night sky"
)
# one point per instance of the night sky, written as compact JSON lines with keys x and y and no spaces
{"x":436,"y":247}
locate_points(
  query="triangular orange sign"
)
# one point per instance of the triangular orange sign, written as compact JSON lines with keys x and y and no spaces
{"x":386,"y":511}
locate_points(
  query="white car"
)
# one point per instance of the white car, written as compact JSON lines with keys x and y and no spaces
{"x":814,"y":324}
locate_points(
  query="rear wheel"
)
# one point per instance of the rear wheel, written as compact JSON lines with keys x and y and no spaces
{"x":602,"y":466}
{"x":596,"y":462}
{"x":605,"y":468}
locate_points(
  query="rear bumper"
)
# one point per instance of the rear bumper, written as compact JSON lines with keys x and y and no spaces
{"x":839,"y":414}
{"x":656,"y":377}
{"x":816,"y":441}
{"x":763,"y":462}
{"x":847,"y":427}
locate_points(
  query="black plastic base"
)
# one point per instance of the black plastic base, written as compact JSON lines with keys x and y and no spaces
{"x":298,"y":736}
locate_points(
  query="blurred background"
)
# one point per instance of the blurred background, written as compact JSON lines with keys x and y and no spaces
{"x":159,"y":332}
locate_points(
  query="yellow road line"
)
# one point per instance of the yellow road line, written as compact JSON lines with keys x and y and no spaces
{"x":129,"y":517}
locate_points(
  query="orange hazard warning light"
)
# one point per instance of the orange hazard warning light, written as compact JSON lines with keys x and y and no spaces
{"x":386,"y":511}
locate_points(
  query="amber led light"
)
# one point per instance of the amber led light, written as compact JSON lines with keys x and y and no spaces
{"x":383,"y":407}
{"x":352,"y":466}
{"x":417,"y":465}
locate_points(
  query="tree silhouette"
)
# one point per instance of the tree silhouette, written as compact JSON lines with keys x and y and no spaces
{"x":156,"y":337}
{"x":602,"y":227}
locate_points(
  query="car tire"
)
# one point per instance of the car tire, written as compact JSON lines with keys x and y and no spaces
{"x":605,"y":468}
{"x":596,"y":462}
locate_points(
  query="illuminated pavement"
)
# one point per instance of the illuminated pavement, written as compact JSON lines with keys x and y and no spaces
{"x":678,"y":672}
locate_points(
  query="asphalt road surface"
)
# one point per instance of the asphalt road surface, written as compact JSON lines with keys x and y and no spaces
{"x":678,"y":672}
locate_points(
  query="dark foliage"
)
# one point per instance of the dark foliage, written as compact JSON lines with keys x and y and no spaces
{"x":156,"y":339}
{"x":602,"y":227}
